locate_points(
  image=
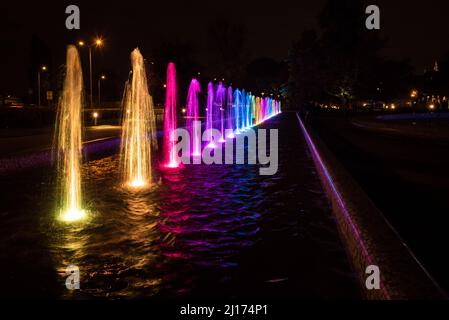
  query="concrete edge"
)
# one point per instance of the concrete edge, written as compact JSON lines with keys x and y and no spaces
{"x":368,"y":237}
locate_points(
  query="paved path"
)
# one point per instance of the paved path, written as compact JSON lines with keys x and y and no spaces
{"x":25,"y":141}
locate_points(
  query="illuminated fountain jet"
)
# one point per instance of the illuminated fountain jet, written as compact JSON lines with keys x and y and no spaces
{"x":242,"y":111}
{"x":248,"y":100}
{"x":68,"y":139}
{"x":253,"y":111}
{"x":230,"y":113}
{"x":170,"y":156}
{"x":237,"y":107}
{"x":192,"y":115}
{"x":138,"y":128}
{"x":220,"y":100}
{"x":210,"y":116}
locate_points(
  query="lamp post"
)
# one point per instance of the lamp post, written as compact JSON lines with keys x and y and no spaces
{"x":95,"y":116}
{"x":41,"y":69}
{"x":97,"y":43}
{"x":102,"y":77}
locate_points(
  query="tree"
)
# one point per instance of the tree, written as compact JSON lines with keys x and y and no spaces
{"x":339,"y":64}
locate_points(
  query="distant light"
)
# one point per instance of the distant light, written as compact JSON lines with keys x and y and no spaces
{"x":183,"y":110}
{"x":199,"y":73}
{"x":81,"y":43}
{"x":393,"y":106}
{"x":98,"y":42}
{"x":432,"y":106}
{"x":44,"y":68}
{"x":165,"y":86}
{"x":103,"y":77}
{"x":95,"y":114}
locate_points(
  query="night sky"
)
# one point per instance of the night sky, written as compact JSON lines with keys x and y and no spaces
{"x":418,"y":30}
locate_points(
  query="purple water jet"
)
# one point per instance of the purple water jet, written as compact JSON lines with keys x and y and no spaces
{"x":220,"y":100}
{"x":192,"y":114}
{"x":230,"y":113}
{"x":210,"y":114}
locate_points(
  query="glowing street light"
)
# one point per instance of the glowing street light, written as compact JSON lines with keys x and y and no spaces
{"x":98,"y":42}
{"x":102,"y":77}
{"x":95,"y":116}
{"x":41,"y":69}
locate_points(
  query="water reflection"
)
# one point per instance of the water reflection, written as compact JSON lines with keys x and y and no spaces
{"x":141,"y":243}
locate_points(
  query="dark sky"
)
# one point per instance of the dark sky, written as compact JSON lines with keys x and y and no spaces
{"x":418,"y":30}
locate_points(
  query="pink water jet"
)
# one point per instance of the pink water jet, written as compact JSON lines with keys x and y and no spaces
{"x":170,"y":159}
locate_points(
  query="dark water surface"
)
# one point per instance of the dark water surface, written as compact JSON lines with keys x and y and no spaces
{"x":203,"y":231}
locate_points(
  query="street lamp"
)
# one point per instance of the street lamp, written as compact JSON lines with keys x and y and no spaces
{"x":97,"y":43}
{"x":102,"y":77}
{"x":95,"y":116}
{"x":41,"y":69}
